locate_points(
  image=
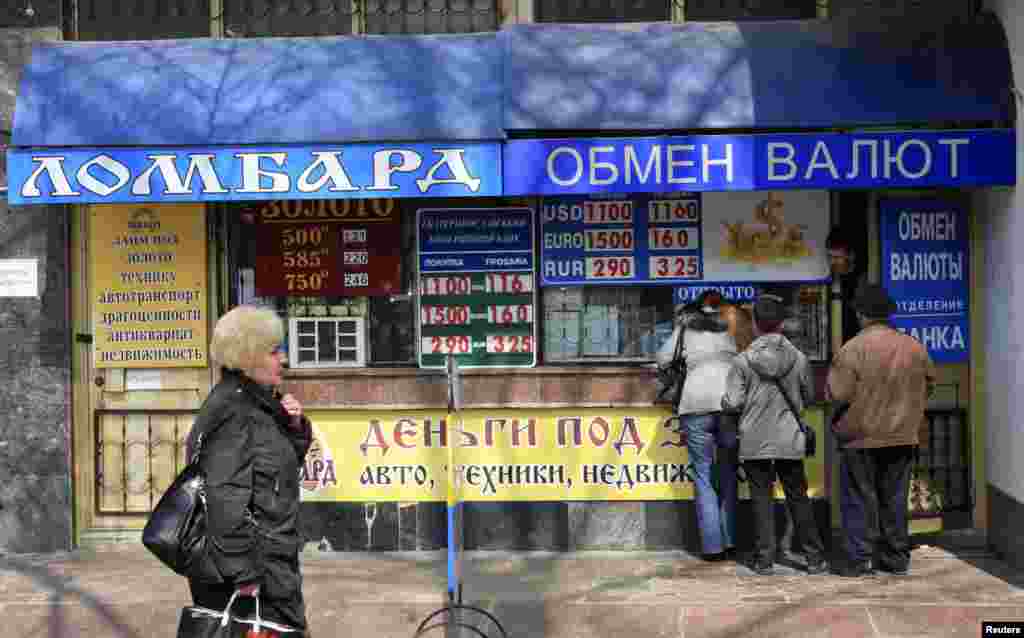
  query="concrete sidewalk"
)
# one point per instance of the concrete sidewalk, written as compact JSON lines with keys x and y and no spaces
{"x":954,"y":585}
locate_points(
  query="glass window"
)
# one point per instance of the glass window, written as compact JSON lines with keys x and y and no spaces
{"x":609,"y":324}
{"x":108,"y":20}
{"x":430,"y":16}
{"x":343,"y":285}
{"x":603,"y":11}
{"x":281,"y":18}
{"x":738,"y":10}
{"x":26,"y":14}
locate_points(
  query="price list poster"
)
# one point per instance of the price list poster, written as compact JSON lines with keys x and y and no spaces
{"x":327,"y":249}
{"x":641,"y":240}
{"x":477,"y":298}
{"x":147,"y":273}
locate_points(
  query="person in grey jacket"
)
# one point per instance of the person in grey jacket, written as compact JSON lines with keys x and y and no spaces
{"x":709,"y":349}
{"x":771,"y":442}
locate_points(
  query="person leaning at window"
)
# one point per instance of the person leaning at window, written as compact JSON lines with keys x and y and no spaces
{"x":771,"y":441}
{"x":709,"y":349}
{"x":252,"y":461}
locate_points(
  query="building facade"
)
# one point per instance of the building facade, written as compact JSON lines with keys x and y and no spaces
{"x":1002,"y":492}
{"x":536,"y":205}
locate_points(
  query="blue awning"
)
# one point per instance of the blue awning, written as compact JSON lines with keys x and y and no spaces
{"x":420,"y":116}
{"x":261,"y":91}
{"x":809,"y":74}
{"x":756,"y":75}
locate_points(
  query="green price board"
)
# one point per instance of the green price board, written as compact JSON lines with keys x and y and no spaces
{"x":477,"y":288}
{"x":485,"y":319}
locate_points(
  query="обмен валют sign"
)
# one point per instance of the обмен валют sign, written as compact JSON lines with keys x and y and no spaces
{"x":925,"y":268}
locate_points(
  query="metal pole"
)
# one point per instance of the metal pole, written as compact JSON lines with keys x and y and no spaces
{"x":454,"y":521}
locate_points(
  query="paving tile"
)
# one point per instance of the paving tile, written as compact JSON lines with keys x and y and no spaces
{"x":938,"y":621}
{"x":380,"y":620}
{"x":608,"y":621}
{"x":781,"y":621}
{"x":115,"y":621}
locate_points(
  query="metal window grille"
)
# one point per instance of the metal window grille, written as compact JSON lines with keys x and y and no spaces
{"x":138,"y":454}
{"x":603,"y":10}
{"x":327,"y":342}
{"x":940,"y":482}
{"x":106,"y":20}
{"x":163,"y":19}
{"x":431,"y":16}
{"x":811,"y":309}
{"x":739,"y":10}
{"x":283,"y":18}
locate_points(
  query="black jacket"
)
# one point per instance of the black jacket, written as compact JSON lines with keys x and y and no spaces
{"x":252,"y":461}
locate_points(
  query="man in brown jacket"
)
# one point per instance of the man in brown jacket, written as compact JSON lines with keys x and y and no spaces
{"x":885,"y":377}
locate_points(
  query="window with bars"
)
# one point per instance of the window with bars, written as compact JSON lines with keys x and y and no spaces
{"x":603,"y":10}
{"x":168,"y":19}
{"x":110,"y":20}
{"x":430,"y":16}
{"x":739,"y":10}
{"x":605,"y":323}
{"x":327,"y":342}
{"x":389,"y":326}
{"x":284,"y":18}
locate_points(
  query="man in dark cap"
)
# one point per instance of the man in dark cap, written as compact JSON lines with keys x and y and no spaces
{"x":885,"y":378}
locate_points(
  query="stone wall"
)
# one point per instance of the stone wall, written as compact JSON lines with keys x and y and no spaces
{"x":35,"y":502}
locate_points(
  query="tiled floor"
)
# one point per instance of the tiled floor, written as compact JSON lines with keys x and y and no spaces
{"x":949,"y":592}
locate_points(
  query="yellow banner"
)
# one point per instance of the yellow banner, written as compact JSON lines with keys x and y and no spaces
{"x":147,"y":269}
{"x":507,"y":455}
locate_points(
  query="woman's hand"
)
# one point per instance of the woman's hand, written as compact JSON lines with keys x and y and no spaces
{"x":292,"y":406}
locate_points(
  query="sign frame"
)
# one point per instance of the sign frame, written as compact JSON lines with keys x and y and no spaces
{"x":639,"y":253}
{"x":965,"y":158}
{"x":472,"y":272}
{"x":920,"y":305}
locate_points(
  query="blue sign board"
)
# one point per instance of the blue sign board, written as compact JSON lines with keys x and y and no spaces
{"x":616,"y":241}
{"x":925,"y":268}
{"x":777,"y":161}
{"x":345,"y":171}
{"x":475,"y":240}
{"x":735,"y":292}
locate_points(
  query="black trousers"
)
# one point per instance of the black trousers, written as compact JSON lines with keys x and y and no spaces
{"x":761,"y":475}
{"x":873,"y":486}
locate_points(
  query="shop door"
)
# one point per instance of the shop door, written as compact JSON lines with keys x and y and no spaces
{"x":129,"y":422}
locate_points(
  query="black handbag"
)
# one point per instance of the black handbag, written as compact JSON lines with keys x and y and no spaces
{"x":672,"y":375}
{"x":200,"y":622}
{"x":176,"y":529}
{"x":810,"y":436}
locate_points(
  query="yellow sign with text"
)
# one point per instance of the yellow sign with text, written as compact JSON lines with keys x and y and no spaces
{"x":507,"y":455}
{"x":147,"y":268}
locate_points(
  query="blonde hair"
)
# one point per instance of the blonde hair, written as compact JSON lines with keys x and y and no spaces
{"x":243,"y":335}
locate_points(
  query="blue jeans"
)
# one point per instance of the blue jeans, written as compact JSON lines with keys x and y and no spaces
{"x":713,"y":447}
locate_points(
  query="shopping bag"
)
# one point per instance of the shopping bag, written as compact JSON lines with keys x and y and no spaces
{"x":201,"y":622}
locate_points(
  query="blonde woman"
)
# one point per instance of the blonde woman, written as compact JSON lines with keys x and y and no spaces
{"x":254,"y":442}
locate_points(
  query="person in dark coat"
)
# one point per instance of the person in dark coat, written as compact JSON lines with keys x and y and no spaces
{"x":254,"y":444}
{"x":771,"y":441}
